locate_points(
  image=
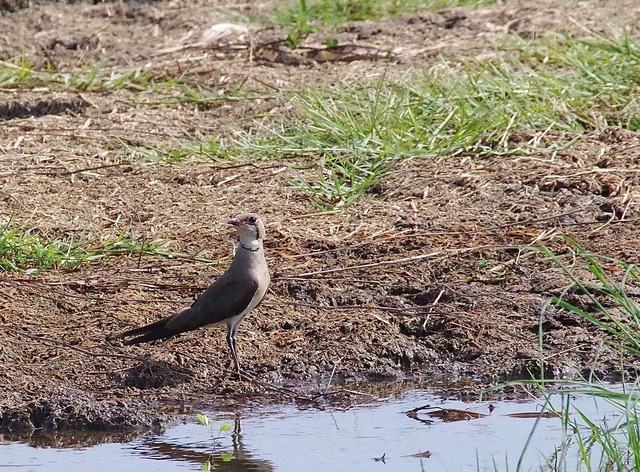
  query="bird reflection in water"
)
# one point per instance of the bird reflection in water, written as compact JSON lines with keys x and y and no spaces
{"x":241,"y":460}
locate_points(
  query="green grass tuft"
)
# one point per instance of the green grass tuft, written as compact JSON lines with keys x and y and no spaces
{"x":610,"y":308}
{"x":337,"y":12}
{"x":305,"y":17}
{"x":20,"y":74}
{"x":353,"y":135}
{"x":602,"y":286}
{"x":356,"y":134}
{"x":31,"y":253}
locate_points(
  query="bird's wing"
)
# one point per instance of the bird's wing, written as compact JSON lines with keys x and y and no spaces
{"x":229,"y":296}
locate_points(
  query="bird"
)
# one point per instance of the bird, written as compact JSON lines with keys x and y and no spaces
{"x":229,"y":299}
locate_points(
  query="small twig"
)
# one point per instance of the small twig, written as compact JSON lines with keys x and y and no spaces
{"x":345,"y":390}
{"x":593,"y":171}
{"x":282,"y":391}
{"x":68,"y":346}
{"x":565,"y":351}
{"x":333,"y":371}
{"x":352,"y":233}
{"x":86,"y":169}
{"x":266,"y":84}
{"x":609,"y":221}
{"x":444,"y":233}
{"x":380,"y":319}
{"x":430,"y":311}
{"x":311,"y":215}
{"x":348,"y":307}
{"x":394,"y":261}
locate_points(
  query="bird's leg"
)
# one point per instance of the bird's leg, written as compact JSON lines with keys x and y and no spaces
{"x":231,"y":341}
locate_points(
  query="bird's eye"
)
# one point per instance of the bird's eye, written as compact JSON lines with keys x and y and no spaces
{"x":252,"y":220}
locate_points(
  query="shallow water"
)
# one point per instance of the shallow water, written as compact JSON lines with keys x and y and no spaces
{"x":284,"y":438}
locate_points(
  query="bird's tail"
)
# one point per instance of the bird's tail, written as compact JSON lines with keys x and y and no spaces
{"x":159,"y":330}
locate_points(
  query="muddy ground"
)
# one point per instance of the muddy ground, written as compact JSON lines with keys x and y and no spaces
{"x":421,"y":281}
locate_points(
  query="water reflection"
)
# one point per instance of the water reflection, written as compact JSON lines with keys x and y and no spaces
{"x":67,"y":439}
{"x":411,"y":432}
{"x":219,"y":457}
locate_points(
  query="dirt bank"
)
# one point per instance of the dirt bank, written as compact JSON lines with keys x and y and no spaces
{"x":421,"y":280}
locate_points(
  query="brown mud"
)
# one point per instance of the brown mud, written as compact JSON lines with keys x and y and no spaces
{"x":422,"y":280}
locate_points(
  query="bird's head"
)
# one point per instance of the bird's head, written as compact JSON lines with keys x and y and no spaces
{"x":249,"y":226}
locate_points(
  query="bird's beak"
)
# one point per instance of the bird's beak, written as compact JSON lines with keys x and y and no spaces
{"x":235,"y":222}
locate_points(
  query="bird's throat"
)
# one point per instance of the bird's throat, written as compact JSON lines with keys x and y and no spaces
{"x":253,"y":246}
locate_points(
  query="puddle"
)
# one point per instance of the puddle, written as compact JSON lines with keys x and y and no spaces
{"x":380,"y":436}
